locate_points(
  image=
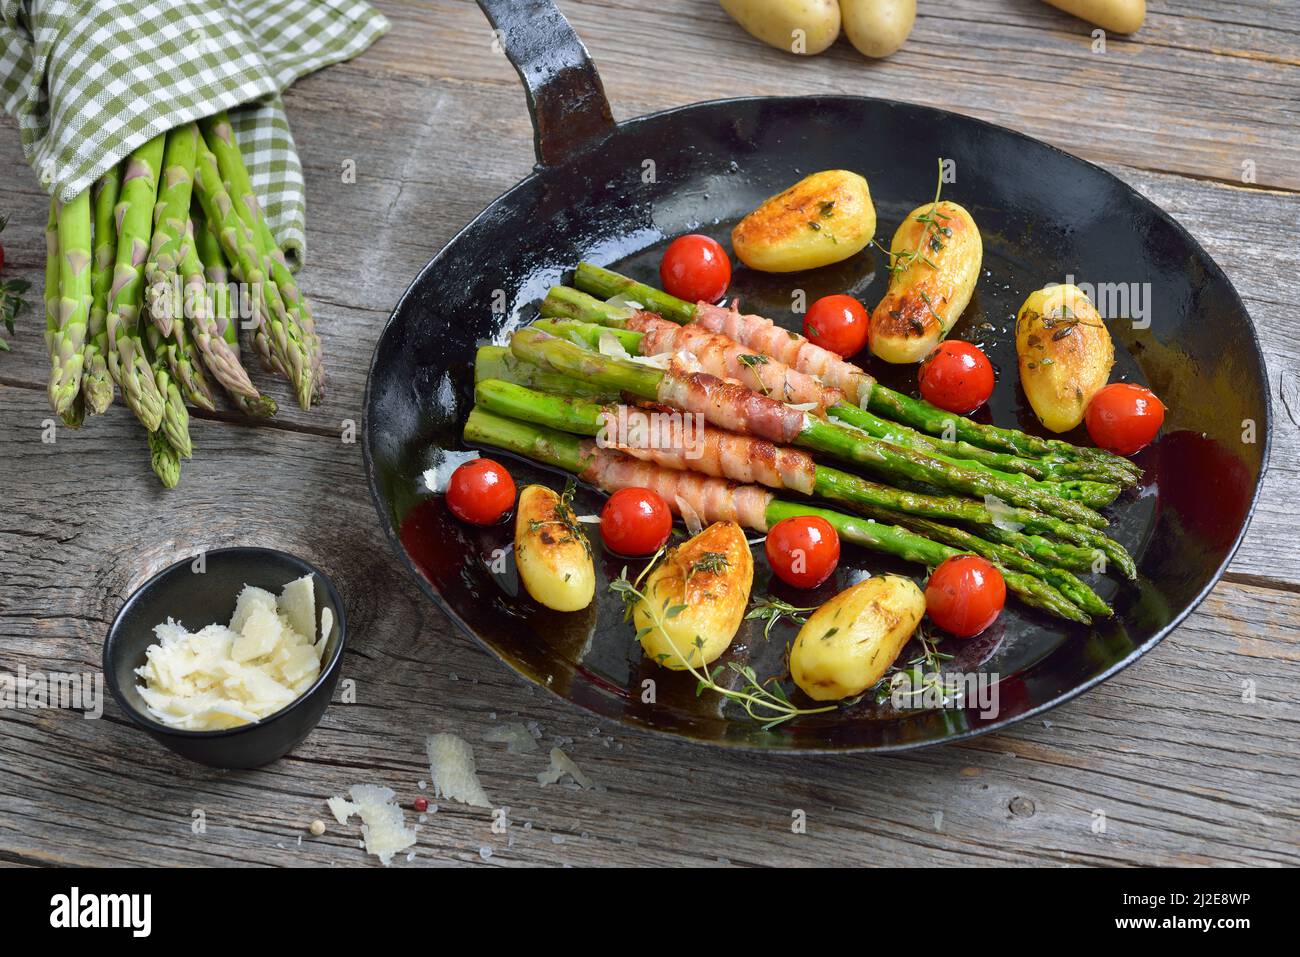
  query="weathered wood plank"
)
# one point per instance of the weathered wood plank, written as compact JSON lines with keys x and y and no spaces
{"x":1183,"y":769}
{"x":1189,"y":94}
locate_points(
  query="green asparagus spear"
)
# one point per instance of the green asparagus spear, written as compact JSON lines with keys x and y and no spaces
{"x":52,"y":275}
{"x":164,"y":459}
{"x":214,"y":266}
{"x":286,"y":346}
{"x":1068,"y":555}
{"x":127,"y":361}
{"x":1003,"y":555}
{"x":496,"y":362}
{"x":202,"y":325}
{"x":219,"y":136}
{"x":185,"y":364}
{"x":226,"y":323}
{"x":68,"y":341}
{"x":170,"y":215}
{"x":566,"y":452}
{"x":586,"y":417}
{"x":166,"y":297}
{"x":884,"y":401}
{"x":540,"y":348}
{"x":175,"y":424}
{"x":96,"y":382}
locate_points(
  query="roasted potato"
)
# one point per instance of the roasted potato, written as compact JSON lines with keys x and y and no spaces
{"x":1065,"y":354}
{"x":849,"y":643}
{"x":877,"y":27}
{"x":824,"y":218}
{"x":1118,"y":16}
{"x":936,"y":254}
{"x":805,"y":27}
{"x":552,"y":551}
{"x":695,"y":598}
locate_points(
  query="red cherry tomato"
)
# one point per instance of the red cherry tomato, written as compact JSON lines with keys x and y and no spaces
{"x":957,"y":376}
{"x":964,"y":595}
{"x":1124,"y":417}
{"x":803,"y":551}
{"x":635,"y":521}
{"x":480,"y":492}
{"x":837,"y":323}
{"x":695,"y":268}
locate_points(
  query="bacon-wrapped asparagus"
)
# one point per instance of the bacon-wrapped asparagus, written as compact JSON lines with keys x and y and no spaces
{"x":672,"y":443}
{"x":732,"y":407}
{"x":756,"y":331}
{"x":720,"y":356}
{"x":716,"y":500}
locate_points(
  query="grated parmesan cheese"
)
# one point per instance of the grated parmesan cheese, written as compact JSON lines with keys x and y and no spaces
{"x":223,"y":676}
{"x":454,"y":772}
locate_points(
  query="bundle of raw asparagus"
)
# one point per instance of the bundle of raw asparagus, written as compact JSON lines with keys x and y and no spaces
{"x":771,"y":399}
{"x":138,"y":293}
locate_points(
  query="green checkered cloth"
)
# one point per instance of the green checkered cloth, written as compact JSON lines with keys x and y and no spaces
{"x":90,"y":80}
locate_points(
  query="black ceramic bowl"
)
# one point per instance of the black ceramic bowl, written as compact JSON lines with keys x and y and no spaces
{"x":195,"y":600}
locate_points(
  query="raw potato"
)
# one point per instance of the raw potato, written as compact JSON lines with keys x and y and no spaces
{"x":822,"y":219}
{"x":849,"y":643}
{"x":552,"y":551}
{"x":1118,"y":16}
{"x":699,"y":591}
{"x":926,"y":299}
{"x":877,"y":27}
{"x":775,"y":22}
{"x":1065,"y":354}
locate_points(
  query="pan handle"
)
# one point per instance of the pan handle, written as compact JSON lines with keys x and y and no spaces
{"x":565,"y":96}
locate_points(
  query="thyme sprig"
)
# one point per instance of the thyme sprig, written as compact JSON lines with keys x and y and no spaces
{"x":930,"y":240}
{"x":708,"y":562}
{"x":763,"y":701}
{"x":924,"y":670}
{"x":773,"y":610}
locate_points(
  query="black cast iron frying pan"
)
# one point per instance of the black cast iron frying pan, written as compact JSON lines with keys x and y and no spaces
{"x":1045,"y":216}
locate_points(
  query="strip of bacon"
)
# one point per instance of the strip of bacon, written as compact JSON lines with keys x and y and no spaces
{"x":728,"y":359}
{"x":712,"y":499}
{"x":729,"y":405}
{"x":765,"y":336}
{"x":669,"y":440}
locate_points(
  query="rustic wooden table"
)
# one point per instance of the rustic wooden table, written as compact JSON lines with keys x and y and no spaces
{"x":1184,"y":765}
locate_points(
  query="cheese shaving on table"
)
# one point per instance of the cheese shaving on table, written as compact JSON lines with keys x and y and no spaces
{"x":517,"y":738}
{"x":562,"y":764}
{"x":454,"y":771}
{"x":383,"y":827}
